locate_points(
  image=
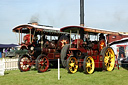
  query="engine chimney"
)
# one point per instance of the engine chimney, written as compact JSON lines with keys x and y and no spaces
{"x":82,"y":13}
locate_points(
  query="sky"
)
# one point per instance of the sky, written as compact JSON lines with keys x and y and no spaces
{"x":102,"y":14}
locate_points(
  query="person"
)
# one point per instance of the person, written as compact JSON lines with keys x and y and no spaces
{"x":86,"y":39}
{"x":101,"y":36}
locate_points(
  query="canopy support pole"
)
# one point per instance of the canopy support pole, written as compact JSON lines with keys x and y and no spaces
{"x":77,"y":37}
{"x":70,"y":38}
{"x":19,"y":37}
{"x":30,"y":37}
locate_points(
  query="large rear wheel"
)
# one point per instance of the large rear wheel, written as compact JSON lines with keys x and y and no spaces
{"x":108,"y":59}
{"x":65,"y":55}
{"x":42,"y":63}
{"x":88,"y":65}
{"x":24,"y":63}
{"x":72,"y":64}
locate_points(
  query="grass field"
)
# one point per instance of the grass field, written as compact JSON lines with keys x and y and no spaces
{"x":15,"y":77}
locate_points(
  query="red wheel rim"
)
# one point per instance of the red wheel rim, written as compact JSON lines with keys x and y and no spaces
{"x":43,"y":64}
{"x":25,"y":63}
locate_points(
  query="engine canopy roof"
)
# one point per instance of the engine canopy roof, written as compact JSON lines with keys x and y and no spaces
{"x":87,"y":30}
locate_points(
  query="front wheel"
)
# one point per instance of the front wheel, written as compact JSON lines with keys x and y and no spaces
{"x":72,"y":64}
{"x":42,"y":63}
{"x":24,"y":63}
{"x":88,"y":65}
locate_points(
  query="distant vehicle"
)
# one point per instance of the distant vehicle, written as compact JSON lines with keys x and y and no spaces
{"x":86,"y":50}
{"x":12,"y":53}
{"x":40,"y":46}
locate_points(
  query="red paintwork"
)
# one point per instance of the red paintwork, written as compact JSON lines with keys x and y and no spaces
{"x":53,"y":55}
{"x":95,"y":46}
{"x":80,"y":63}
{"x":50,"y":56}
{"x":72,"y":48}
{"x":94,"y":51}
{"x":96,"y":60}
{"x":47,"y":50}
{"x":79,"y":41}
{"x":24,"y":46}
{"x":112,"y":38}
{"x":57,"y":55}
{"x":27,"y":39}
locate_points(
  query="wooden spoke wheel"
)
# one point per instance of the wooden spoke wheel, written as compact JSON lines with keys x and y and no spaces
{"x":42,"y":63}
{"x":72,"y":64}
{"x":108,"y":59}
{"x":24,"y":63}
{"x":88,"y":65}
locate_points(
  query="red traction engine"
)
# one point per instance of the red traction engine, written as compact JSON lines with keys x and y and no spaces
{"x":40,"y":47}
{"x":87,"y":51}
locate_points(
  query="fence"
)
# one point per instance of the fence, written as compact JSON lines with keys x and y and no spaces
{"x":11,"y":64}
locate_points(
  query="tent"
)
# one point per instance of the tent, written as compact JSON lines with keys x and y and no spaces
{"x":2,"y":46}
{"x":7,"y":45}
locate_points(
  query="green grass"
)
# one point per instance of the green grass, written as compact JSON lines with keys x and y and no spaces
{"x":15,"y":77}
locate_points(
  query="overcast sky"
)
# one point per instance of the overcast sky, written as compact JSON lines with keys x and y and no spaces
{"x":102,"y":14}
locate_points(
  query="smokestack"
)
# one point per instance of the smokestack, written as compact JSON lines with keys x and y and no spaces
{"x":82,"y":13}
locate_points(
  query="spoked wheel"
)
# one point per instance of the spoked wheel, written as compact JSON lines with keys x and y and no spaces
{"x":42,"y":63}
{"x":24,"y":63}
{"x":88,"y":65}
{"x":108,"y":59}
{"x":72,"y":64}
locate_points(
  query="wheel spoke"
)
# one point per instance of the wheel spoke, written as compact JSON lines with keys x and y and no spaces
{"x":89,"y":60}
{"x":106,"y":54}
{"x":87,"y":69}
{"x":106,"y":64}
{"x":45,"y":61}
{"x":42,"y":67}
{"x":70,"y":68}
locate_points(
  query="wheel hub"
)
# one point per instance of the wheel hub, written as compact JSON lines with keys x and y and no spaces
{"x":88,"y":64}
{"x":25,"y":63}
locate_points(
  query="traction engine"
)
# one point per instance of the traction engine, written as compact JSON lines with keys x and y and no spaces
{"x":86,"y":54}
{"x":40,"y":47}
